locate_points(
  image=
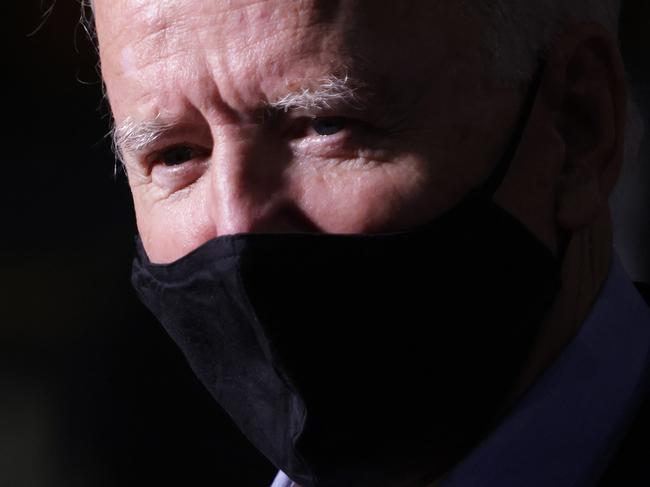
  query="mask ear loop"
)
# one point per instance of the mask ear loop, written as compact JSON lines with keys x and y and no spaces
{"x":487,"y":190}
{"x":490,"y":186}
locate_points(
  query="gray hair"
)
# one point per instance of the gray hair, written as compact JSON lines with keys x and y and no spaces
{"x":516,"y":38}
{"x":518,"y":33}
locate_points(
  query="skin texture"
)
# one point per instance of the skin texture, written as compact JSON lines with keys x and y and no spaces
{"x":430,"y":131}
{"x":432,"y":127}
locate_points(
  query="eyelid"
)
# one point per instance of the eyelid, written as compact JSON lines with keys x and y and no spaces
{"x":301,"y":127}
{"x":173,"y":178}
{"x":327,"y":112}
{"x":154,"y":157}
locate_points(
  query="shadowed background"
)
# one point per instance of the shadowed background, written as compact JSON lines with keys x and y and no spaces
{"x":92,"y":391}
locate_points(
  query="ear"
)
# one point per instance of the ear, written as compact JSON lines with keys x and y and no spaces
{"x":588,"y":91}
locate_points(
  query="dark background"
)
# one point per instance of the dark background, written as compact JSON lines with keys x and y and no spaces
{"x":92,"y":391}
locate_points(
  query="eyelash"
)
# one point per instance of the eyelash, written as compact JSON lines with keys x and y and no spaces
{"x":305,"y":133}
{"x":196,"y":152}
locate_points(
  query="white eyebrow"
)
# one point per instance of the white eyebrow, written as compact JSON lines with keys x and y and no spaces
{"x":331,"y":92}
{"x":135,"y":136}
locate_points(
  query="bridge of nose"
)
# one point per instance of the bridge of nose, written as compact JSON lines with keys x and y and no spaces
{"x":249,"y":187}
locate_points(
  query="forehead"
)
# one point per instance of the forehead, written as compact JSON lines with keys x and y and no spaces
{"x":247,"y":50}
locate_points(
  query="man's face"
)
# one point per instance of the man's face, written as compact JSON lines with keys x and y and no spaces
{"x":346,"y":116}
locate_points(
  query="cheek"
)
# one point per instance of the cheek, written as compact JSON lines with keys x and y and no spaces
{"x":337,"y":197}
{"x":387,"y":197}
{"x":173,"y":227}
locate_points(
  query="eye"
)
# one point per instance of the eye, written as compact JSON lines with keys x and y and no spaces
{"x":175,"y":156}
{"x":324,"y":126}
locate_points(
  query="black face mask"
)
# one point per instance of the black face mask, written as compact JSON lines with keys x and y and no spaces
{"x":361,"y":360}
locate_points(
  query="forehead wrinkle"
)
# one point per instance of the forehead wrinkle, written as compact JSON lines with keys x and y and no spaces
{"x":253,"y":66}
{"x":155,"y":47}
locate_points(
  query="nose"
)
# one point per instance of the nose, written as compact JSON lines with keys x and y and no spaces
{"x":251,"y":190}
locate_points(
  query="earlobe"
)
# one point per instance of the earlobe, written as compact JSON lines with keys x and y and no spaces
{"x":590,"y":103}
